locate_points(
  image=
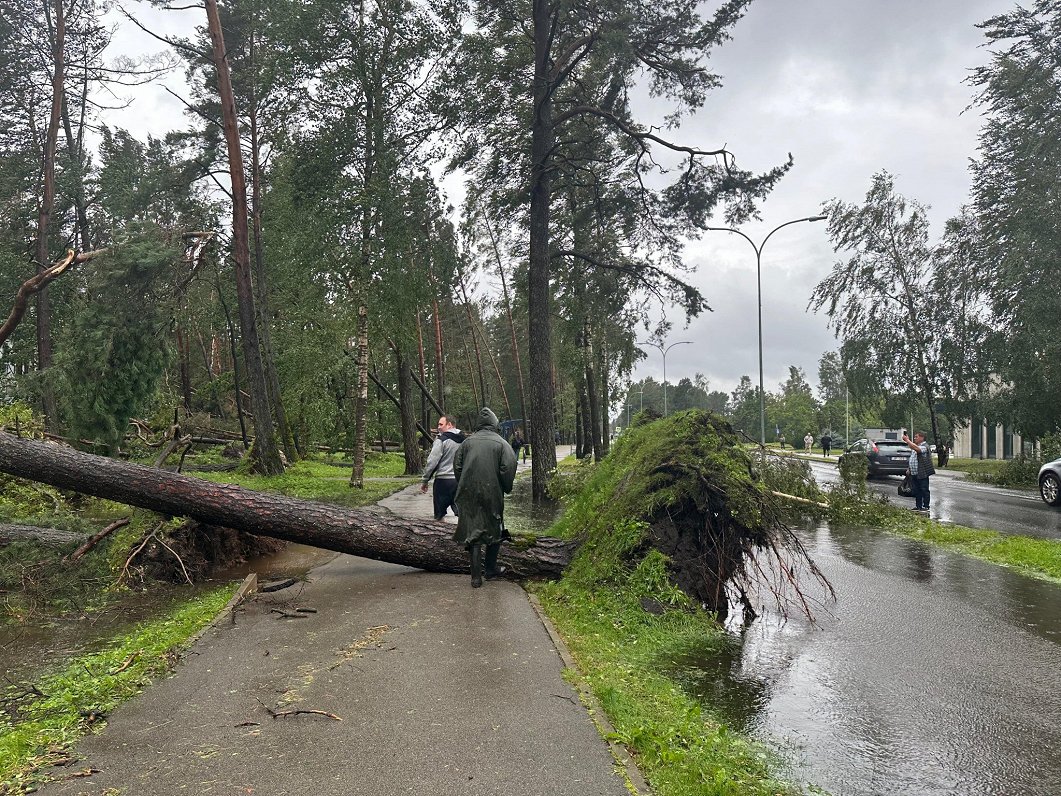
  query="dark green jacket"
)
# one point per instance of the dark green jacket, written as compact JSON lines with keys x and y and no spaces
{"x":485,"y":467}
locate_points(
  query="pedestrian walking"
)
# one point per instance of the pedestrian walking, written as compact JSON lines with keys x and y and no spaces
{"x":920,"y":469}
{"x":485,"y":467}
{"x":440,"y":466}
{"x":781,"y":439}
{"x":827,"y":444}
{"x":517,"y":442}
{"x":808,"y":442}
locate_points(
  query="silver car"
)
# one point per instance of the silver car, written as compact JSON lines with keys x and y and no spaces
{"x":1050,"y":482}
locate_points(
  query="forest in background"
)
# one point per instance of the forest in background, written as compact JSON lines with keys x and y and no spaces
{"x":282,"y":265}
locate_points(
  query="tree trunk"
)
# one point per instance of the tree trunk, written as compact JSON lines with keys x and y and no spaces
{"x":424,"y":544}
{"x":593,"y":397}
{"x":185,"y":368}
{"x":44,"y":215}
{"x":261,"y":295}
{"x":579,"y":449}
{"x":407,"y":414}
{"x":511,"y":326}
{"x":541,"y":431}
{"x":267,"y":457}
{"x":605,"y":399}
{"x":357,"y":474}
{"x":440,"y":364}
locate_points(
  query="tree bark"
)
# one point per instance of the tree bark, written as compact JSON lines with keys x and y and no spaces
{"x":44,"y":214}
{"x":272,"y":380}
{"x":541,"y":431}
{"x":267,"y":456}
{"x":424,"y":544}
{"x":407,"y":413}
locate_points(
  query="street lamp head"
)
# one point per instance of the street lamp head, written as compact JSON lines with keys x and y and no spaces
{"x":817,"y":218}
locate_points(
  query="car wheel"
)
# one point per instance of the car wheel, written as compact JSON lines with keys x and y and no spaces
{"x":1050,"y":489}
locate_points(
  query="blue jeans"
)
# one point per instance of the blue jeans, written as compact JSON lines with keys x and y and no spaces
{"x":922,"y":495}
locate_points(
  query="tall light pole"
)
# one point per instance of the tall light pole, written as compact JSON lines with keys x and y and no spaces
{"x":664,"y":351}
{"x":759,"y":291}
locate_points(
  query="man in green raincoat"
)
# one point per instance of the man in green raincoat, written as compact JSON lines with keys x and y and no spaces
{"x":485,"y":468}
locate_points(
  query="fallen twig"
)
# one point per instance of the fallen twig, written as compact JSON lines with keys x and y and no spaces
{"x":95,"y":539}
{"x":276,"y":714}
{"x":288,"y":615}
{"x":277,"y":586}
{"x":127,"y":663}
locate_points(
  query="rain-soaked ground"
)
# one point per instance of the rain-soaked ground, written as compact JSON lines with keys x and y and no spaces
{"x":932,"y":674}
{"x":29,"y":648}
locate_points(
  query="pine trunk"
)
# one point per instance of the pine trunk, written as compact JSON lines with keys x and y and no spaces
{"x":424,"y":544}
{"x":541,"y":430}
{"x":266,"y":454}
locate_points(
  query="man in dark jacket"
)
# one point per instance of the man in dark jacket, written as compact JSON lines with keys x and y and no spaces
{"x":485,"y":467}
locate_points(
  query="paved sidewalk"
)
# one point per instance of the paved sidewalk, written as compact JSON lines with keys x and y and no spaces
{"x":441,"y":689}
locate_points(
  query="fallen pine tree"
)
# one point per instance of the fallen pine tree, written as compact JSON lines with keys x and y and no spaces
{"x":683,"y":487}
{"x":424,"y":544}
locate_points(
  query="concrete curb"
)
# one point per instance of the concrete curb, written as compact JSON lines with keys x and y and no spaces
{"x":635,"y":782}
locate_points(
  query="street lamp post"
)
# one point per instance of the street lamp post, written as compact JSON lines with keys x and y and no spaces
{"x":664,"y":351}
{"x":759,"y":291}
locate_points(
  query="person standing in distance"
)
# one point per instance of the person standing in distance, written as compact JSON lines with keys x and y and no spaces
{"x":827,"y":444}
{"x":485,"y":467}
{"x":921,"y":470}
{"x":808,"y":441}
{"x":440,"y":466}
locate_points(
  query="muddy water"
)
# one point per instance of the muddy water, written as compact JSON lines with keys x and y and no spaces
{"x":28,"y":650}
{"x":522,"y":515}
{"x":933,"y":674}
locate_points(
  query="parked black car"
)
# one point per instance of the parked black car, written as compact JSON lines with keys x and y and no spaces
{"x":886,"y":457}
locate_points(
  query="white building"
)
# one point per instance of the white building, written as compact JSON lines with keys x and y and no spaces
{"x":982,"y":439}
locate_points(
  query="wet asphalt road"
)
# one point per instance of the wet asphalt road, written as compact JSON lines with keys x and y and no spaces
{"x":971,"y":504}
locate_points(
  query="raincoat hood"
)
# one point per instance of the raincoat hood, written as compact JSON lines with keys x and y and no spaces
{"x":487,"y":420}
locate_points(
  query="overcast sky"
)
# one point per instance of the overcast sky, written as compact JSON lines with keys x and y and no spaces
{"x":849,"y":87}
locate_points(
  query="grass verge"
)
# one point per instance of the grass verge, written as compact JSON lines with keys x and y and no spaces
{"x":315,"y":479}
{"x":1037,"y":558}
{"x":36,"y":728}
{"x":621,"y":652}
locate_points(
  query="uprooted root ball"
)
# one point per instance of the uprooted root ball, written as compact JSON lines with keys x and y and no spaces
{"x":686,"y":487}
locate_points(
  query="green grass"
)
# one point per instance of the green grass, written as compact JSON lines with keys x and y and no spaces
{"x":1037,"y":558}
{"x":314,"y":479}
{"x":36,"y":729}
{"x":622,"y":651}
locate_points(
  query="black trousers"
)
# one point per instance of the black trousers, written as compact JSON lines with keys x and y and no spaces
{"x":445,"y":491}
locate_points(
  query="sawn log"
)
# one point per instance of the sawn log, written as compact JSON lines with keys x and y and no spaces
{"x":375,"y":534}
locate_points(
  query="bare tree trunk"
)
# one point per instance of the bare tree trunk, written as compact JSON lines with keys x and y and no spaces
{"x":592,"y":397}
{"x":183,"y":357}
{"x":539,"y":297}
{"x":425,"y":417}
{"x":511,"y":325}
{"x":440,"y":363}
{"x":475,"y":341}
{"x":261,"y":294}
{"x":357,"y":475}
{"x":605,"y":399}
{"x":44,"y":214}
{"x":413,"y":463}
{"x":267,"y":457}
{"x":235,"y":370}
{"x":579,"y":444}
{"x":416,"y":543}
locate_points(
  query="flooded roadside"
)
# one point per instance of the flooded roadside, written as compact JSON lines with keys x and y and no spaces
{"x":29,"y":648}
{"x":933,"y":674}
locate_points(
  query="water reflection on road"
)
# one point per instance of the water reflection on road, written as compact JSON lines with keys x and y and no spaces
{"x":932,"y":674}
